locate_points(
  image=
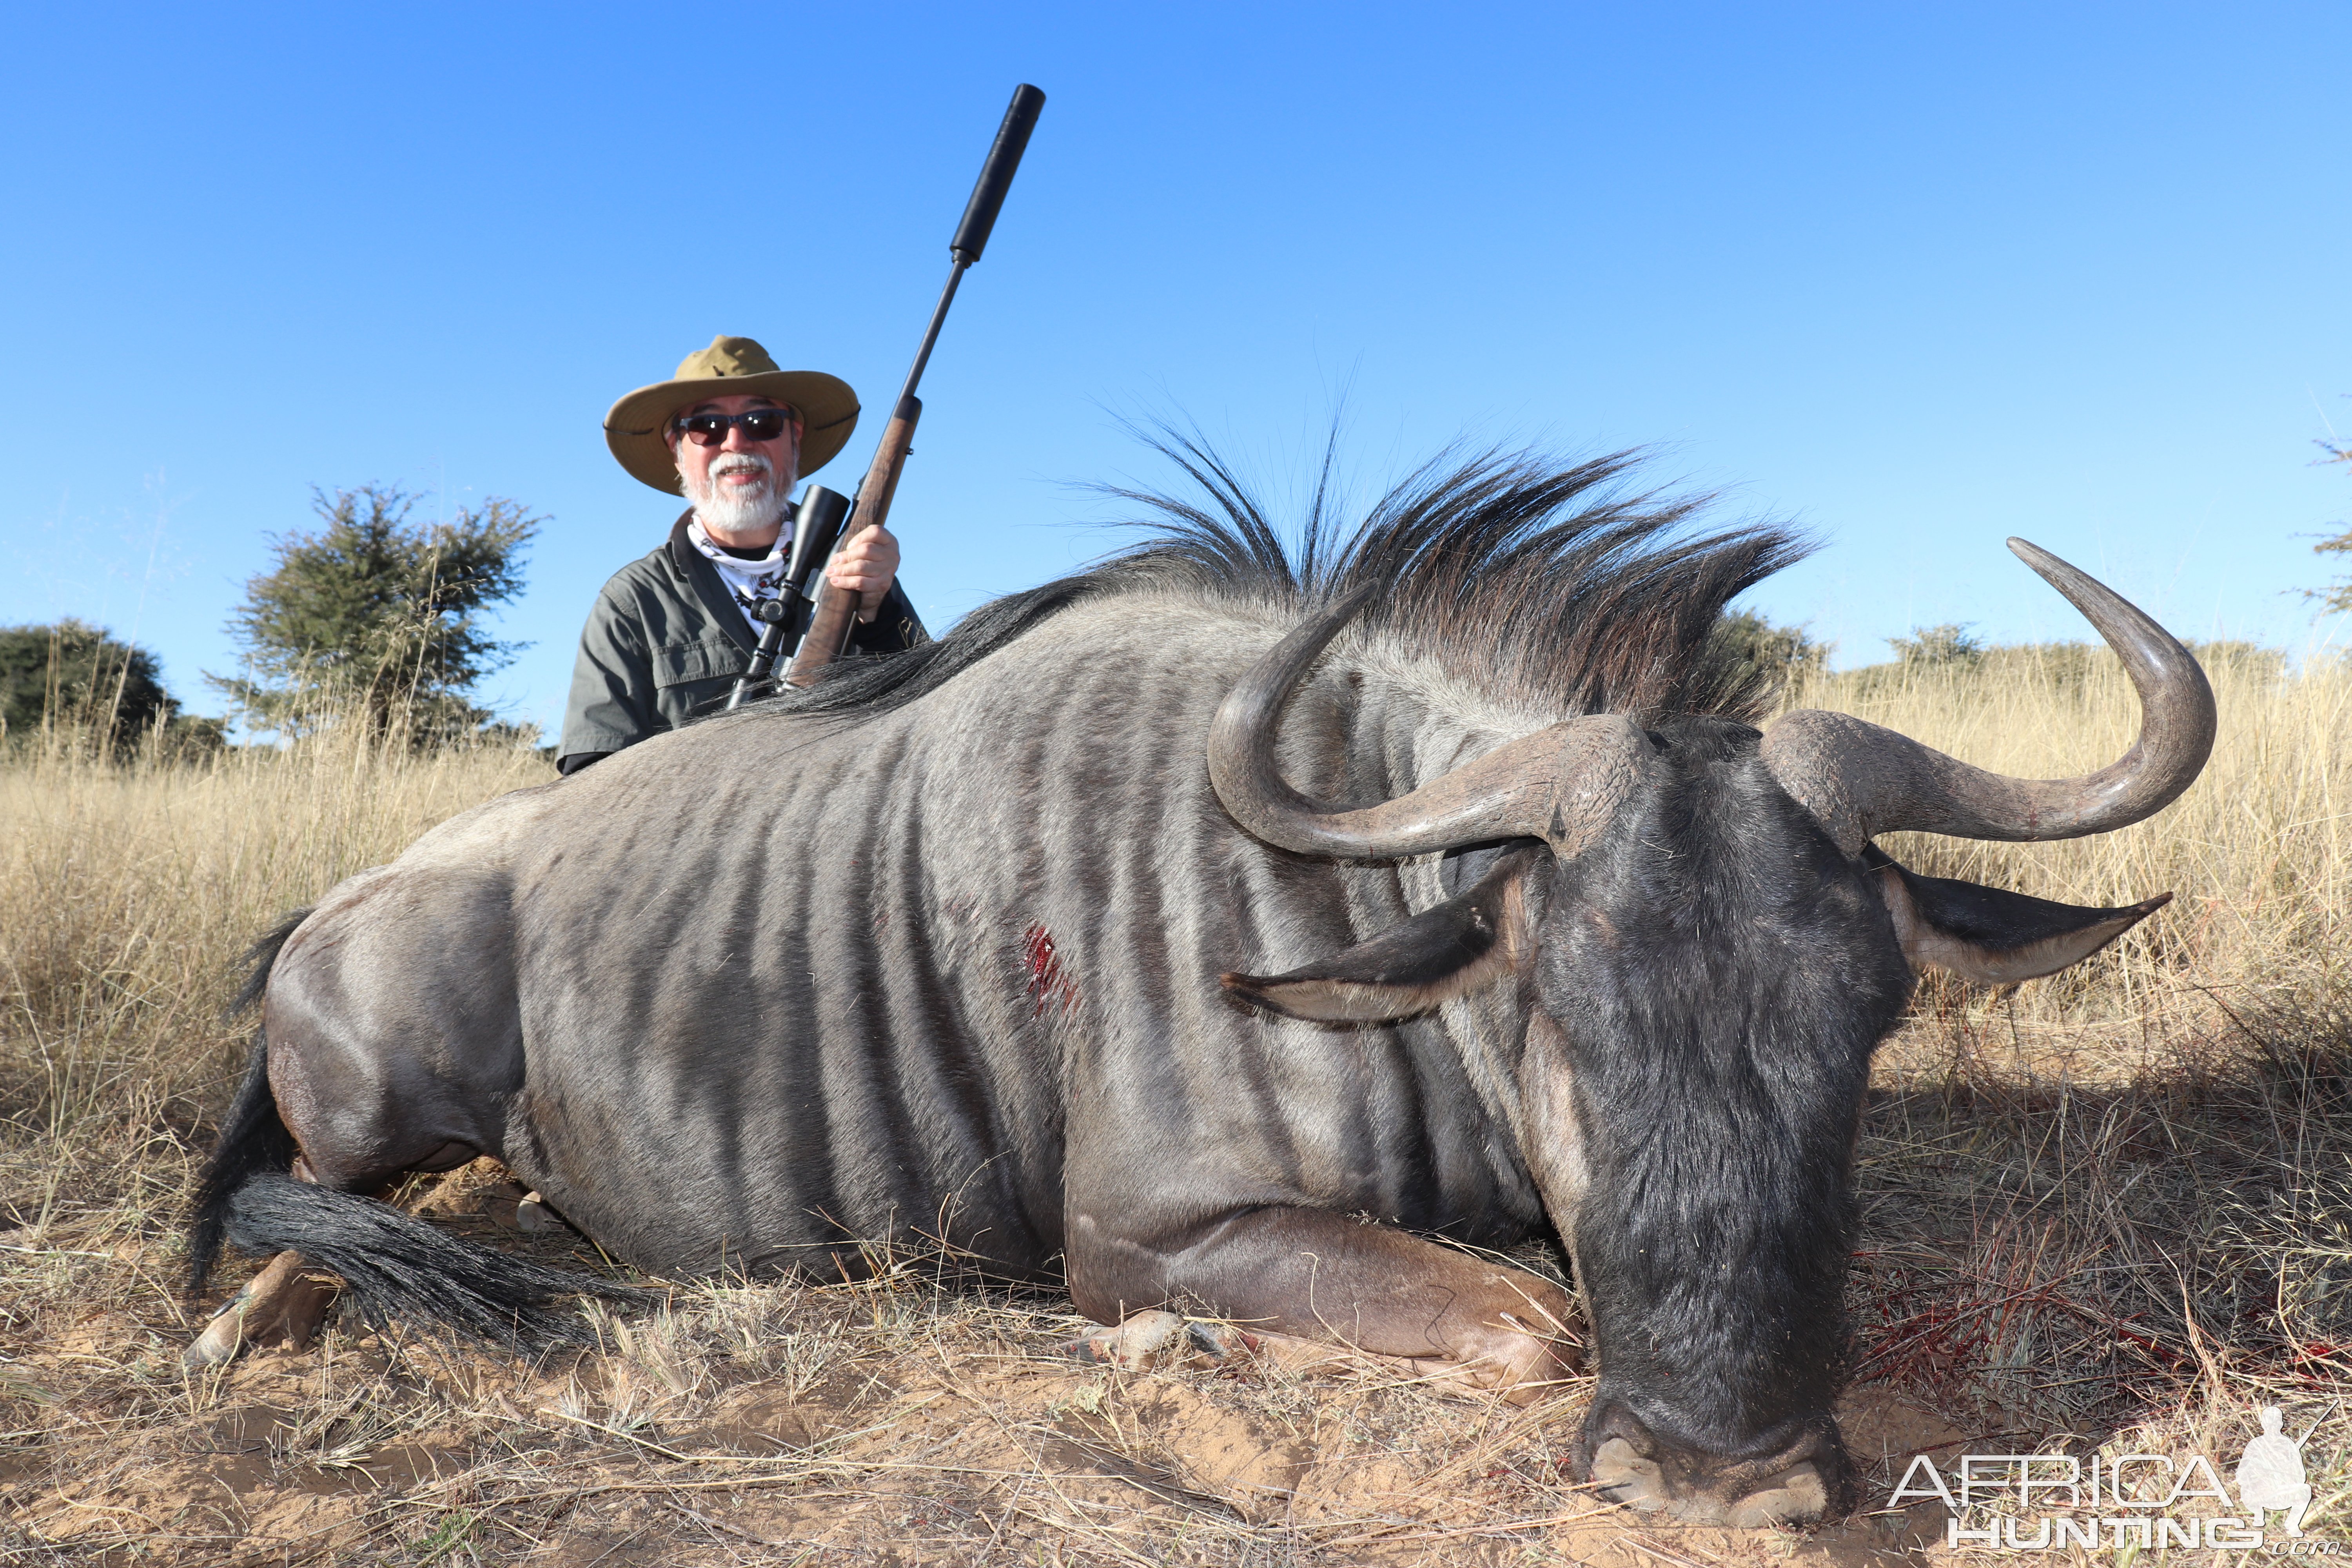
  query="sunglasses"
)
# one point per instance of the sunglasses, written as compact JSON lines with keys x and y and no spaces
{"x":758,"y":425}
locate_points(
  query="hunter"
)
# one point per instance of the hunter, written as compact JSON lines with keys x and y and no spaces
{"x":672,"y":630}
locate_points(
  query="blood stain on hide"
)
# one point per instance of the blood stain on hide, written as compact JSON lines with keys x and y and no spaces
{"x":1048,"y":985}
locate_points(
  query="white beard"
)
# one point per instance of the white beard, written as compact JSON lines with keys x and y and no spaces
{"x":738,"y":508}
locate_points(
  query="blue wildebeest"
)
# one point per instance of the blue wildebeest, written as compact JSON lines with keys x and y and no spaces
{"x":1218,"y":932}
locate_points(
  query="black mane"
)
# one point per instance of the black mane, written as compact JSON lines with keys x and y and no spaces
{"x":1552,"y":583}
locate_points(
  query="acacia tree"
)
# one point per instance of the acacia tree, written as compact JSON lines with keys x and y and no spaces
{"x":1950,"y":643}
{"x":75,"y":673}
{"x":375,"y":615}
{"x":2336,"y":596}
{"x":1754,"y":649}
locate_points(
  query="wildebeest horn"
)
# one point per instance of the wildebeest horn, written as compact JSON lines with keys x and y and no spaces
{"x":1559,"y":784}
{"x":1861,"y":780}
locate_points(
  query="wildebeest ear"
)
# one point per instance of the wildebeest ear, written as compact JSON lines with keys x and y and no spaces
{"x":1440,"y":953}
{"x":1986,"y":934}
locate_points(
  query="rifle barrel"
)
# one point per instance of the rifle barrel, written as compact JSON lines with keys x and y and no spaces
{"x":980,"y":213}
{"x":836,"y":616}
{"x":931,"y":333}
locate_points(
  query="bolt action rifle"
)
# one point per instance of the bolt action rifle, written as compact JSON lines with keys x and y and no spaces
{"x":823,"y":517}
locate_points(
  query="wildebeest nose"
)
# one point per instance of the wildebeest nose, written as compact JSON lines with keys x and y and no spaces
{"x":1798,"y":1495}
{"x":1620,"y":1474}
{"x":1624,"y":1466}
{"x":1632,"y":1467}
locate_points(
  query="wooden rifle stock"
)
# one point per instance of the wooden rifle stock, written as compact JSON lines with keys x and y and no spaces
{"x":836,"y":608}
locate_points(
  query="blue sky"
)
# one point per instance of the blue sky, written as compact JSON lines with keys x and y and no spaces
{"x":1912,"y":277}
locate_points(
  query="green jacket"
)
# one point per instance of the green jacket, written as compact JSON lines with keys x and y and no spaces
{"x":666,"y":637}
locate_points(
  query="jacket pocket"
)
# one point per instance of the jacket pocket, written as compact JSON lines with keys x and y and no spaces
{"x":683,"y":664}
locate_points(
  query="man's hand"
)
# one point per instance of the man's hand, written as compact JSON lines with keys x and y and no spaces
{"x":865,"y":565}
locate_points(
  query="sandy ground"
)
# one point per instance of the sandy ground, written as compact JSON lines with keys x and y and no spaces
{"x":894,"y":1422}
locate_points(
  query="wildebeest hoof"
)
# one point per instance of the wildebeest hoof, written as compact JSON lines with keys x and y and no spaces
{"x":1796,"y":1495}
{"x":534,"y":1217}
{"x":285,"y":1300}
{"x":1620,"y":1475}
{"x":222,"y":1337}
{"x":1143,"y":1340}
{"x":1150,"y":1339}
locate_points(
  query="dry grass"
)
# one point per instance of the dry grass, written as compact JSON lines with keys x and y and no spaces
{"x":132,"y":883}
{"x":2108,"y":1211}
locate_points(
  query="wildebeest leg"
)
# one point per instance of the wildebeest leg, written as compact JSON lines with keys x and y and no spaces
{"x":1158,"y":1337}
{"x":1323,"y":1277}
{"x":286,"y":1300}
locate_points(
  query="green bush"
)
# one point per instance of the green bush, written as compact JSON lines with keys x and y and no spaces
{"x":72,"y":673}
{"x":1754,"y":648}
{"x":375,"y":615}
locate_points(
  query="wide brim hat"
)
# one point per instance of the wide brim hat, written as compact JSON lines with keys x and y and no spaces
{"x":730,"y":367}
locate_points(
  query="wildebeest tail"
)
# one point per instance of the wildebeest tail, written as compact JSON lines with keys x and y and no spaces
{"x":260,"y":959}
{"x":253,"y":1142}
{"x":399,"y":1269}
{"x":253,"y":1139}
